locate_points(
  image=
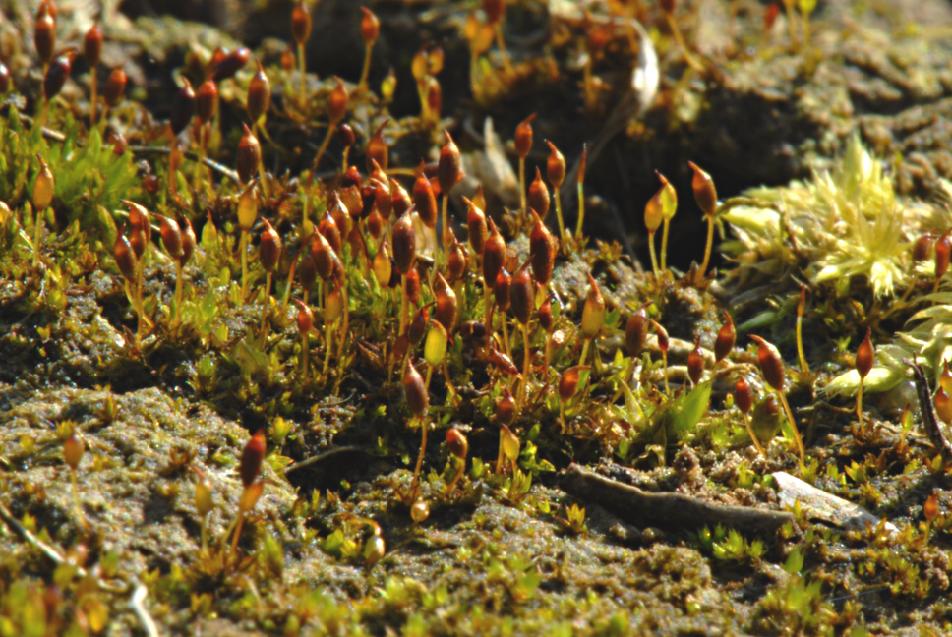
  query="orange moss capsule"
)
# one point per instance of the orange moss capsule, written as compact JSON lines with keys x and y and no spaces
{"x":538,"y":196}
{"x":726,"y":338}
{"x":456,"y":443}
{"x":943,"y":251}
{"x":664,"y":342}
{"x":446,"y":305}
{"x":943,"y":406}
{"x":171,"y":236}
{"x":252,"y":457}
{"x":377,"y":149}
{"x":249,"y":155}
{"x":568,"y":381}
{"x":270,"y":247}
{"x":337,"y":101}
{"x":369,"y":26}
{"x":412,"y":288}
{"x":305,"y":318}
{"x":523,"y":137}
{"x":73,"y":449}
{"x":328,"y":228}
{"x":505,"y":407}
{"x":922,"y":247}
{"x":450,"y":167}
{"x":425,"y":200}
{"x":414,"y":391}
{"x":399,"y":199}
{"x":259,"y":94}
{"x":206,"y":101}
{"x":930,"y":508}
{"x":456,"y":262}
{"x":542,"y":250}
{"x":476,"y":223}
{"x":301,"y":23}
{"x":555,"y":166}
{"x":115,"y":87}
{"x":865,"y":355}
{"x":702,"y":186}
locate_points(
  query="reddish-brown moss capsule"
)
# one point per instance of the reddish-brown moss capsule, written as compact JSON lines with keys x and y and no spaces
{"x":923,"y":247}
{"x":695,"y":363}
{"x":252,"y":457}
{"x":305,"y":318}
{"x":456,"y":443}
{"x":206,"y":101}
{"x":346,"y":135}
{"x":189,"y":240}
{"x":115,"y":87}
{"x":456,"y":261}
{"x":636,"y":331}
{"x":865,"y":355}
{"x":446,"y":305}
{"x":412,"y":287}
{"x":494,"y":254}
{"x":414,"y":391}
{"x":337,"y":101}
{"x":329,"y":228}
{"x":92,"y":46}
{"x":171,"y":236}
{"x":524,"y":136}
{"x":259,"y":94}
{"x":270,"y":247}
{"x":73,"y":449}
{"x":425,"y":200}
{"x":417,"y":327}
{"x":306,"y":271}
{"x":538,"y":195}
{"x":377,"y":149}
{"x":555,"y":166}
{"x":522,"y":296}
{"x":568,"y":381}
{"x":542,"y":250}
{"x":771,"y":365}
{"x":249,"y":155}
{"x":500,"y":361}
{"x":545,"y":315}
{"x":369,"y":26}
{"x":183,"y":107}
{"x":505,"y":407}
{"x":476,"y":223}
{"x":726,"y":338}
{"x":125,"y":257}
{"x":743,"y":396}
{"x":450,"y":167}
{"x":230,"y":63}
{"x":57,"y":73}
{"x":325,"y":259}
{"x":702,"y":186}
{"x":301,"y":23}
{"x":501,"y":289}
{"x":399,"y":199}
{"x":403,"y":244}
{"x":44,"y":35}
{"x":943,"y":251}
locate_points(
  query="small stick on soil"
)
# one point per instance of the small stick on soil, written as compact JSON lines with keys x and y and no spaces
{"x":666,"y":509}
{"x":929,"y":421}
